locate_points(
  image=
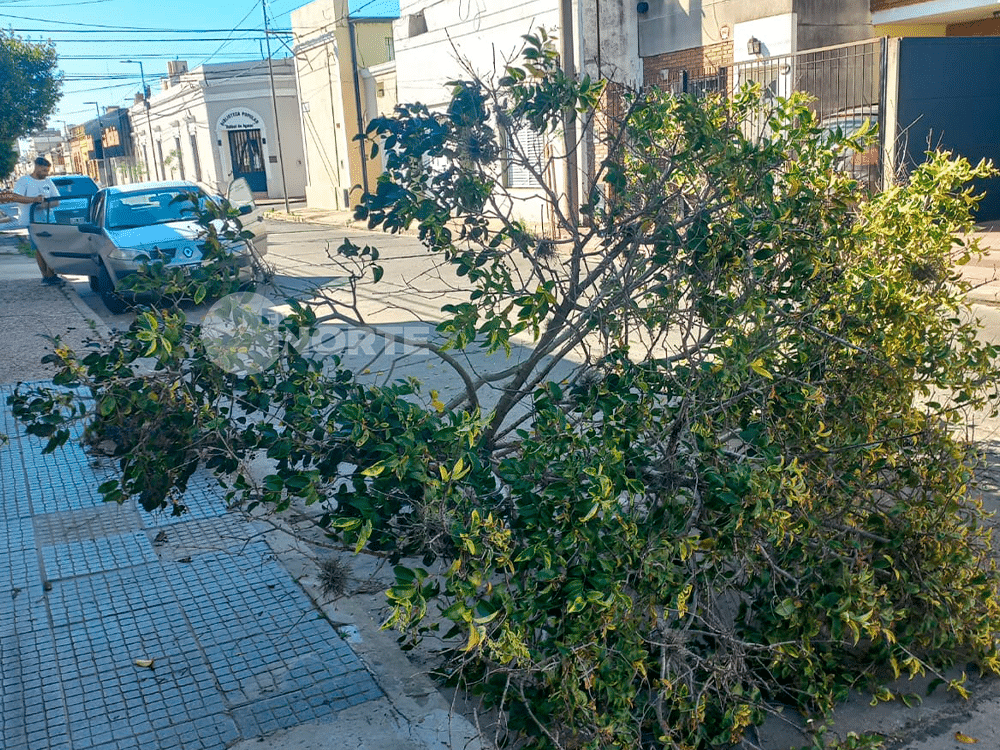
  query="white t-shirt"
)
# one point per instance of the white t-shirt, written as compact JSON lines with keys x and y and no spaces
{"x":29,"y":187}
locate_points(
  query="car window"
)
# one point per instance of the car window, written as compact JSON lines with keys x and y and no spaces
{"x":69,"y":211}
{"x":70,"y":186}
{"x":130,"y":210}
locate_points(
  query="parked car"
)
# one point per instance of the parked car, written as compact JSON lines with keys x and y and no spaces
{"x":861,"y":165}
{"x":68,"y":185}
{"x":109,"y":235}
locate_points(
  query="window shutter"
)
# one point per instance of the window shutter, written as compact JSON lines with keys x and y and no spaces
{"x":533,"y":146}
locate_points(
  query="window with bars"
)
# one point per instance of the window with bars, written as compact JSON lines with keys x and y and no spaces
{"x":519,"y":170}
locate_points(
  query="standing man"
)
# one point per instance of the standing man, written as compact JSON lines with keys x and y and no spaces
{"x":35,"y":188}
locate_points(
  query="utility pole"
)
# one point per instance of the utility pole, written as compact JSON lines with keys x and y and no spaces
{"x":100,"y":142}
{"x":274,"y":106}
{"x":145,"y":104}
{"x":569,"y":68}
{"x":357,"y":101}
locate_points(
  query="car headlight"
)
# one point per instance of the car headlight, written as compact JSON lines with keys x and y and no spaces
{"x":129,"y":254}
{"x":238,"y":248}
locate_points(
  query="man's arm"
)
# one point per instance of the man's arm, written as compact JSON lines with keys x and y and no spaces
{"x":9,"y":196}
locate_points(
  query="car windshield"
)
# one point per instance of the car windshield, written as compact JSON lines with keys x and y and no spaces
{"x":130,"y":210}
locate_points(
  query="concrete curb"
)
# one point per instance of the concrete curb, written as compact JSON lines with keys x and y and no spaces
{"x":100,"y":327}
{"x":332,"y":219}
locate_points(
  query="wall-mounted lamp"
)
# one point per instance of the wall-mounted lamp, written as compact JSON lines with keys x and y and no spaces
{"x":642,"y":8}
{"x":753,"y":45}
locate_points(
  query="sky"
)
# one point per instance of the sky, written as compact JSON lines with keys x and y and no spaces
{"x":92,"y":37}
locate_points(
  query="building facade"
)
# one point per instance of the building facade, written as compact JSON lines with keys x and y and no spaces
{"x":336,"y":50}
{"x":688,"y":44}
{"x":217,"y":123}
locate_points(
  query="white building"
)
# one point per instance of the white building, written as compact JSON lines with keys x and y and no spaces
{"x":442,"y":40}
{"x":215,"y":123}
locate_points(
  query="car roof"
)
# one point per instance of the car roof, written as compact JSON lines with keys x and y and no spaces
{"x":55,"y":177}
{"x":142,"y":187}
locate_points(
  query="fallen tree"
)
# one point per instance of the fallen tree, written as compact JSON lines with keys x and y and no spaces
{"x":745,"y":489}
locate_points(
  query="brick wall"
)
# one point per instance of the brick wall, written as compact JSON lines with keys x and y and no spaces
{"x":699,"y":62}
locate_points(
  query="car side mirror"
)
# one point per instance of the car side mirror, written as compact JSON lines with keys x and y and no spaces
{"x":89,"y":228}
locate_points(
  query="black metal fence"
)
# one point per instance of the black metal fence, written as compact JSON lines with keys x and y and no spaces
{"x":847,"y":84}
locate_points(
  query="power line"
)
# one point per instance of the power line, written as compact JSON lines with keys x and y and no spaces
{"x":126,"y":28}
{"x":147,"y":56}
{"x":133,"y":40}
{"x":252,"y":9}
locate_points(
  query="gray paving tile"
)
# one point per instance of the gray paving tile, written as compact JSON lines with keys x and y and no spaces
{"x":33,"y":710}
{"x":228,"y":533}
{"x":143,"y":590}
{"x":20,"y":581}
{"x":109,"y":519}
{"x":97,"y":555}
{"x":14,"y":484}
{"x":16,"y":534}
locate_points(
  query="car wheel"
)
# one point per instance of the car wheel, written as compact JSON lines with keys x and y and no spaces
{"x":106,"y":288}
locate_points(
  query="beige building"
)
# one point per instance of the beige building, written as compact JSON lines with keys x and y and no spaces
{"x":345,"y":73}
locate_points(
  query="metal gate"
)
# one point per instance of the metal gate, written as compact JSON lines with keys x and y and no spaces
{"x":246,"y":150}
{"x":847,"y":83}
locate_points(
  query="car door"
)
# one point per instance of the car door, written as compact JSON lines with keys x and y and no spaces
{"x":55,"y":231}
{"x":240,"y":197}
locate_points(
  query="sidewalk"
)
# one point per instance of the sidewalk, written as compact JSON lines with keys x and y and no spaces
{"x":122,"y":629}
{"x":984,"y":272}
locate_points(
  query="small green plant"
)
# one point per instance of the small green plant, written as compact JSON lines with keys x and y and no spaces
{"x":172,"y":162}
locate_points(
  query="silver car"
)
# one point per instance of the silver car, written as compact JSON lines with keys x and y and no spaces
{"x":111,"y":234}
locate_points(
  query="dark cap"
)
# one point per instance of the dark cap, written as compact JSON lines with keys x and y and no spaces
{"x":41,"y":161}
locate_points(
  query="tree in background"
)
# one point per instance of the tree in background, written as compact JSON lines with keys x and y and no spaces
{"x":728,"y":475}
{"x":28,"y":93}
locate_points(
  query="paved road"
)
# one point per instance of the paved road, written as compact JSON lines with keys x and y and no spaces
{"x":305,"y":258}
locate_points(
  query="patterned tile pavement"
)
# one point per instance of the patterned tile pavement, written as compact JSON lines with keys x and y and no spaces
{"x":238,"y":649}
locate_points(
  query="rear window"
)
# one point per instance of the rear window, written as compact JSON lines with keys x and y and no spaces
{"x":69,"y":187}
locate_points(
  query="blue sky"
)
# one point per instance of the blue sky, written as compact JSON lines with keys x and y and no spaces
{"x":92,"y":37}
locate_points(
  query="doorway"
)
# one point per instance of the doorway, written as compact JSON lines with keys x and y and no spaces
{"x":246,"y":150}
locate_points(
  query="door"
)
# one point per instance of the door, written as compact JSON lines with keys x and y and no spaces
{"x":56,"y":233}
{"x":247,"y":153}
{"x":240,"y":197}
